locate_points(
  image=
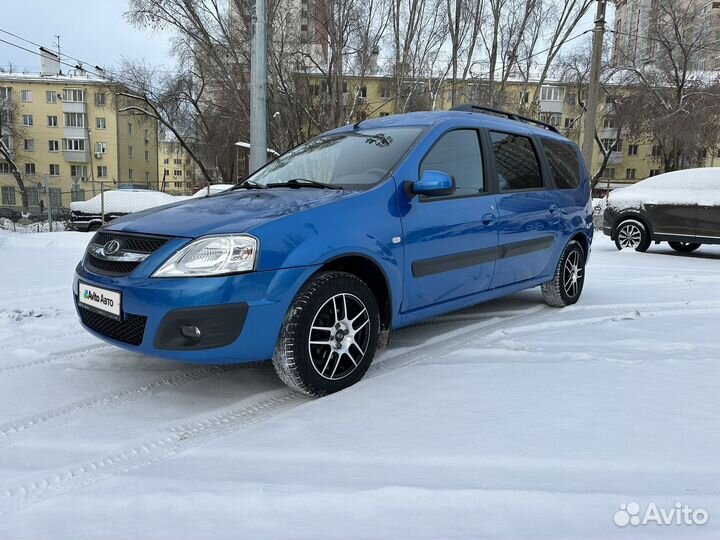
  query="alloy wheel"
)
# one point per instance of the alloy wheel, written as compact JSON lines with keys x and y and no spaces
{"x":572,"y":274}
{"x":630,"y":236}
{"x":339,"y":336}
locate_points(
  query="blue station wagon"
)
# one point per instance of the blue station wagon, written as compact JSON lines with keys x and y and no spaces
{"x":316,"y":257}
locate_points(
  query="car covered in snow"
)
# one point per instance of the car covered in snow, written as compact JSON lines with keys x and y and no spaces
{"x":679,"y":207}
{"x":86,"y":215}
{"x":317,"y":256}
{"x":212,"y":189}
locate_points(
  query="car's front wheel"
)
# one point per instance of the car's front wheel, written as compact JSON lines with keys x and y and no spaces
{"x":329,"y":336}
{"x":567,"y":283}
{"x":684,"y":247}
{"x":631,"y":234}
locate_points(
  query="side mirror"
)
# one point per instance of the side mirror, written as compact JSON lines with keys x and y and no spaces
{"x":434,"y":184}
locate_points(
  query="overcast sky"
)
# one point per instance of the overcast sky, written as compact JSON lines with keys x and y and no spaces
{"x":91,"y":30}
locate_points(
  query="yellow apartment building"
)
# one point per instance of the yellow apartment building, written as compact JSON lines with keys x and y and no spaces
{"x":70,"y":128}
{"x":176,"y":171}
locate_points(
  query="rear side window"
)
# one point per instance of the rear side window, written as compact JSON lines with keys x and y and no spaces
{"x":516,"y":162}
{"x":457,"y":153}
{"x":564,"y":164}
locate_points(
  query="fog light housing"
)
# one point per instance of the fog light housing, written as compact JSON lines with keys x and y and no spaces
{"x":191,"y":332}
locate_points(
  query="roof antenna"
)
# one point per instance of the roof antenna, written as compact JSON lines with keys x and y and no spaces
{"x":356,"y":125}
{"x":57,"y":43}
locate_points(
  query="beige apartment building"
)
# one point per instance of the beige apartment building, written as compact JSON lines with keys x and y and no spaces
{"x":176,"y":170}
{"x":69,"y":128}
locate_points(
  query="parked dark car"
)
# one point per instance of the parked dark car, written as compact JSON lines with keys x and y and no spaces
{"x":680,"y":207}
{"x":11,"y":214}
{"x":58,"y":214}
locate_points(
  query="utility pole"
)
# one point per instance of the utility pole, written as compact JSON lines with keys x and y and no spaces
{"x":47,"y":194}
{"x":258,"y":88}
{"x":594,"y":86}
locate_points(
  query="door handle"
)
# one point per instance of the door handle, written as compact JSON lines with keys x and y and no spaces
{"x":553,"y":209}
{"x":488,"y":219}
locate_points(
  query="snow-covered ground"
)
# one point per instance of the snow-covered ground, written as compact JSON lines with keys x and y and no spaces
{"x":509,"y":420}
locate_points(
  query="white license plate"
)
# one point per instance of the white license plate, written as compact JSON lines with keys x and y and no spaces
{"x":99,"y":300}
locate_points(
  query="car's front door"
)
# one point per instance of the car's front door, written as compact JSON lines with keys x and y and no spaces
{"x":672,"y":219}
{"x":450,"y":241}
{"x":530,"y":216}
{"x":708,"y":223}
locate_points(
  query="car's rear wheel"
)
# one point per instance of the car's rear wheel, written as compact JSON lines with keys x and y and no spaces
{"x":330,"y":335}
{"x":567,"y":283}
{"x":684,"y":247}
{"x":631,"y":234}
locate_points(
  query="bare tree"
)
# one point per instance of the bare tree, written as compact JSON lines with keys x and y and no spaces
{"x":11,"y":134}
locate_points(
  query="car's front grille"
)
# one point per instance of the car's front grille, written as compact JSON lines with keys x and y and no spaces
{"x":130,"y":330}
{"x":129,"y":244}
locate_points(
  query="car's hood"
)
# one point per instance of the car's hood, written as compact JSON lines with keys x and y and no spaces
{"x":229,"y":212}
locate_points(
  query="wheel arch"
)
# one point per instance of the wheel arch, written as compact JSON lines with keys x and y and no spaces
{"x":631,"y":216}
{"x":373,"y":274}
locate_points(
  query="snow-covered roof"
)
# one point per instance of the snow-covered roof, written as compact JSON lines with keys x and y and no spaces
{"x":690,"y":186}
{"x":125,"y":201}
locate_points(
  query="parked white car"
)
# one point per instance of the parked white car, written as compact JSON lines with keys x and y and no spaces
{"x":85,"y":215}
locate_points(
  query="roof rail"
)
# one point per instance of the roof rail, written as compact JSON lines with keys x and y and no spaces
{"x":511,"y":116}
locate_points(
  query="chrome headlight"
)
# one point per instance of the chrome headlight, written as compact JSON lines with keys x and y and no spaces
{"x":212,"y":256}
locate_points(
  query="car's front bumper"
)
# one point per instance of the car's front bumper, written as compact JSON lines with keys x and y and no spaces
{"x":239,"y":316}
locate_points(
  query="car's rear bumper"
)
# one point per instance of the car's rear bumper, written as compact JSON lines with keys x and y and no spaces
{"x":239,"y":316}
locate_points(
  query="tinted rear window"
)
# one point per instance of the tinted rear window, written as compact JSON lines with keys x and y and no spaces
{"x":516,"y":162}
{"x":564,"y":164}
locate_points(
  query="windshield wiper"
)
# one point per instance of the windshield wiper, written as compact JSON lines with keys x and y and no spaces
{"x":249,"y":184}
{"x":303,"y":182}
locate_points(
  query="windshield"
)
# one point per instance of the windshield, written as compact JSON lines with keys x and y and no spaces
{"x":352,"y":158}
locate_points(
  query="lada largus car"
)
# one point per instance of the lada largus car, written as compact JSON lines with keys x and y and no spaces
{"x":316,"y":257}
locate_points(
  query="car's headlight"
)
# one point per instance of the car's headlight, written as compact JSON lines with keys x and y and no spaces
{"x":212,"y":256}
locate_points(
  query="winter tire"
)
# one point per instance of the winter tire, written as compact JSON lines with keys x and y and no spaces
{"x":684,"y":247}
{"x":631,"y":234}
{"x":567,"y":284}
{"x":329,"y":336}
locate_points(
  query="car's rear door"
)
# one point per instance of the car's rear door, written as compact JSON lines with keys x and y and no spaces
{"x":450,"y":241}
{"x":671,"y":219}
{"x":708,"y":223}
{"x":530,"y":216}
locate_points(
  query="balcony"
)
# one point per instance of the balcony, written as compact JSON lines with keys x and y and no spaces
{"x":76,"y":156}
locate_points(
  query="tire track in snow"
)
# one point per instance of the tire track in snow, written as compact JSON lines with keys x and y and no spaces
{"x":177,"y":438}
{"x":24,"y":428}
{"x":7,"y":345}
{"x":79,"y":352}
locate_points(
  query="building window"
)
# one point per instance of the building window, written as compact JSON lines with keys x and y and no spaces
{"x":177,"y":173}
{"x":77,"y":194}
{"x":4,"y":168}
{"x":314,"y":89}
{"x":177,"y":161}
{"x":100,"y":148}
{"x":569,"y":122}
{"x":26,"y":96}
{"x":130,"y":151}
{"x":29,"y":145}
{"x":130,"y":132}
{"x":147,"y":177}
{"x":571,"y":99}
{"x":147,"y":136}
{"x":5,"y":92}
{"x":32,"y":196}
{"x":166,"y":161}
{"x":73,"y":96}
{"x":609,"y":173}
{"x":704,"y":153}
{"x":630,"y":174}
{"x":551,"y":93}
{"x":78,"y":171}
{"x":166,"y":172}
{"x":147,"y":155}
{"x":102,"y":171}
{"x":100,"y":122}
{"x":74,"y":145}
{"x":608,"y":122}
{"x":655,"y":150}
{"x":362,"y":92}
{"x":27,"y":120}
{"x":632,"y":149}
{"x":384,"y":114}
{"x":344,"y":87}
{"x":51,"y":96}
{"x":654,"y":172}
{"x":612,"y":144}
{"x":52,"y":121}
{"x":525,"y":97}
{"x":131,"y":174}
{"x":29,"y":168}
{"x":385,"y":92}
{"x":74,"y":120}
{"x":8,"y":195}
{"x":53,"y":146}
{"x":54,"y":169}
{"x":55,"y":197}
{"x":554,"y":119}
{"x":99,"y":99}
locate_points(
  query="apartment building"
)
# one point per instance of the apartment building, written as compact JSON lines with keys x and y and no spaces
{"x":70,"y":128}
{"x":176,"y":171}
